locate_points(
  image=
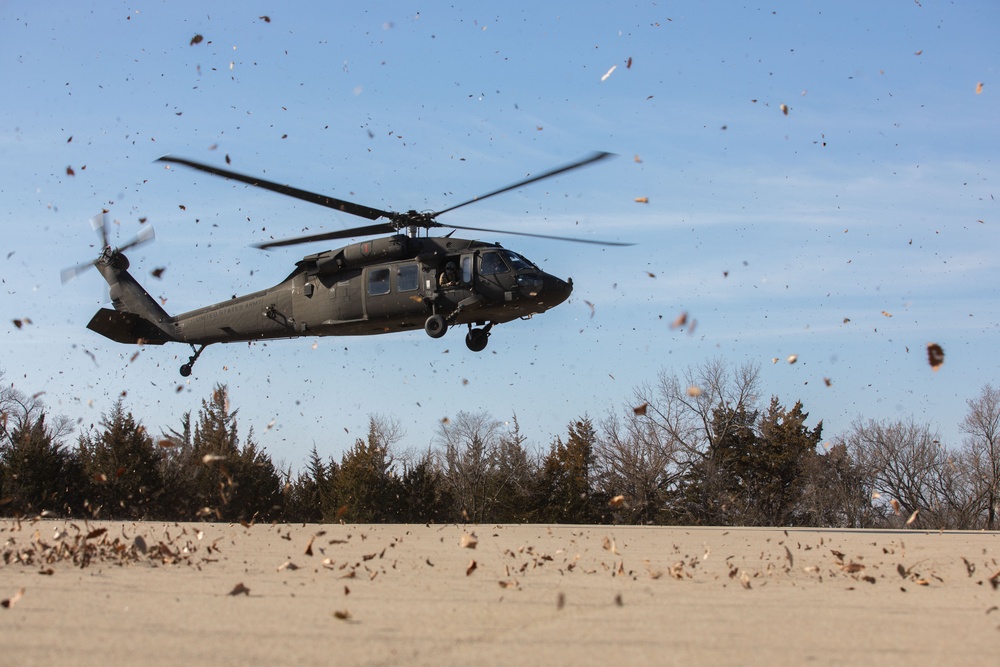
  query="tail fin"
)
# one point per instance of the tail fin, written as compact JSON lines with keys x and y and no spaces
{"x":137,"y":316}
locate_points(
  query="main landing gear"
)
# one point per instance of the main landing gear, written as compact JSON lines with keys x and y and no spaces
{"x":186,"y":368}
{"x":435,"y":326}
{"x":476,"y":340}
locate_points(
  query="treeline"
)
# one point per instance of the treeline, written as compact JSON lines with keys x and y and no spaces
{"x":702,"y":449}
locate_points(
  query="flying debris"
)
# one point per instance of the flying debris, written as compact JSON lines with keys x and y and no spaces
{"x":935,"y":356}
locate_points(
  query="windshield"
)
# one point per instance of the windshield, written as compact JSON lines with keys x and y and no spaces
{"x":491,"y":264}
{"x":517,"y":262}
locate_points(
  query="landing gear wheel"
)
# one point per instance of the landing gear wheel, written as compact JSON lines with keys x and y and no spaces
{"x":186,"y":368}
{"x":435,"y":326}
{"x":477,"y":339}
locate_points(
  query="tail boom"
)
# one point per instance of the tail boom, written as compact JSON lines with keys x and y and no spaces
{"x":128,"y":328}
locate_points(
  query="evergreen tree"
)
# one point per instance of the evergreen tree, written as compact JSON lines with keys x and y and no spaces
{"x":563,"y":491}
{"x":256,"y":485}
{"x":367,"y":487}
{"x":38,"y":473}
{"x":777,"y":467}
{"x":753,"y":471}
{"x":713,"y":491}
{"x":232,"y":483}
{"x":178,"y":470}
{"x":309,"y":493}
{"x":425,"y":497}
{"x":123,"y":467}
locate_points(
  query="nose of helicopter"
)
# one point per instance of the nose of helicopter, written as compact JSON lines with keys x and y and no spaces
{"x":544,"y":290}
{"x":556,"y":290}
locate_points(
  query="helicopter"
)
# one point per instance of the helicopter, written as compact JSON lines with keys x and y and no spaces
{"x":400,"y":282}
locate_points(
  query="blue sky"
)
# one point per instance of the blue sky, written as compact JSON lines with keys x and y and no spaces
{"x":851,"y":231}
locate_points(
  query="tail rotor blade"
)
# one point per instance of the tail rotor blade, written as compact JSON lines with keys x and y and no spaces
{"x":100,"y":225}
{"x":72,"y":272}
{"x":145,"y":235}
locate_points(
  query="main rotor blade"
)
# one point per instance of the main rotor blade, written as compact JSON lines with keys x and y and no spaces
{"x":322,"y":200}
{"x":327,"y":236}
{"x":537,"y":236}
{"x":593,"y":157}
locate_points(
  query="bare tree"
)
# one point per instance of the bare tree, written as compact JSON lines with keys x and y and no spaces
{"x":682,"y":417}
{"x":632,"y":460}
{"x":981,"y":450}
{"x":514,"y":473}
{"x":836,"y":494}
{"x":18,"y":412}
{"x":37,"y":471}
{"x":909,"y":470}
{"x":485,"y":467}
{"x":682,"y":410}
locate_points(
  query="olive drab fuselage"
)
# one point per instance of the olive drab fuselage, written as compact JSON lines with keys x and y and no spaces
{"x":383,"y":285}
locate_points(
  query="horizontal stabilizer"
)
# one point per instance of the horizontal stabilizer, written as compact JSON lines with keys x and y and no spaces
{"x":124,"y":327}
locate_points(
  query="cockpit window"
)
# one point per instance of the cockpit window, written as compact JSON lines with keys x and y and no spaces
{"x":517,"y":261}
{"x":492,"y":263}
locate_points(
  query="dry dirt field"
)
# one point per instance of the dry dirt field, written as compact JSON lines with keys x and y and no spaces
{"x":113,"y":593}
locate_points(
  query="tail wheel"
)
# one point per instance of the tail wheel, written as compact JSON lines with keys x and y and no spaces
{"x":435,"y":326}
{"x":186,"y":368}
{"x":477,"y":339}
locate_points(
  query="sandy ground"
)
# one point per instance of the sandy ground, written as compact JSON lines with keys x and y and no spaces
{"x":178,"y":594}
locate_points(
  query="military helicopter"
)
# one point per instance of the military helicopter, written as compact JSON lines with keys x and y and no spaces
{"x":399,"y":282}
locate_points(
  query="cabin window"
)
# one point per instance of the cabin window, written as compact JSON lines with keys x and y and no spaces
{"x":491,"y":264}
{"x":378,"y":281}
{"x":407,"y":278}
{"x":467,"y":269}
